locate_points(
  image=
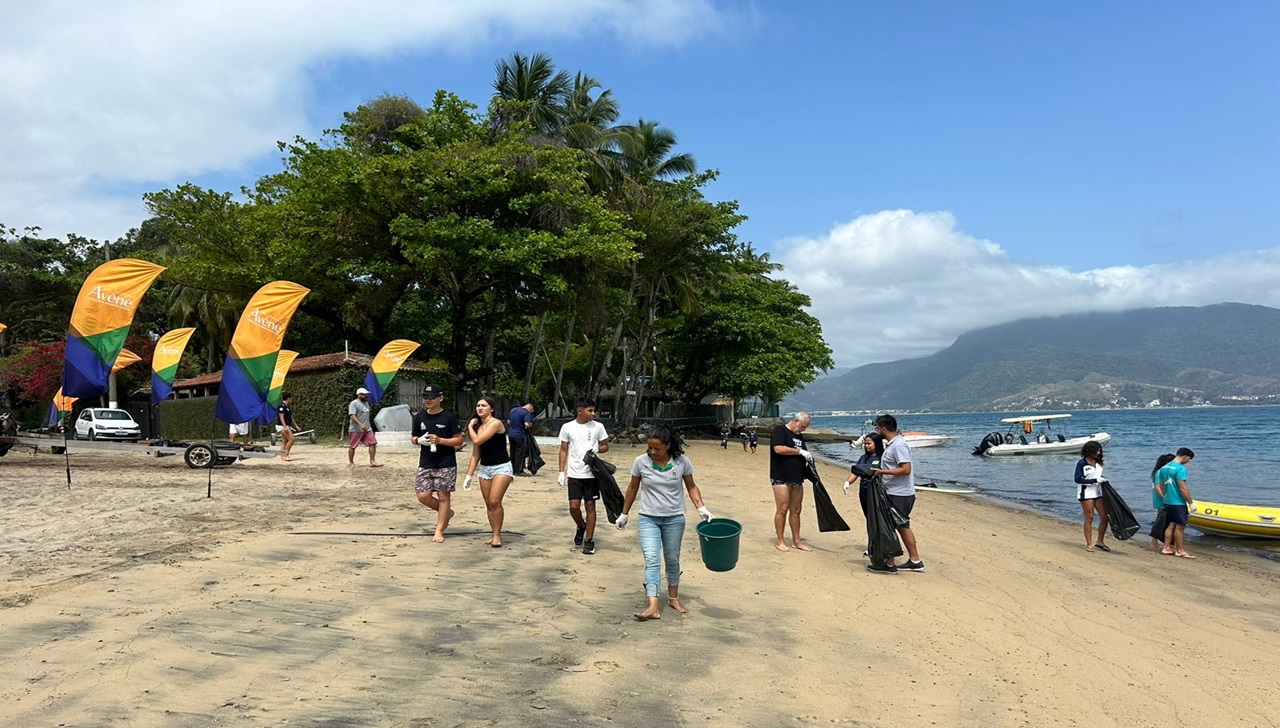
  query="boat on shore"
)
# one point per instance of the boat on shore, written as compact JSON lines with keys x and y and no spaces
{"x":1235,"y":521}
{"x":1033,"y":440}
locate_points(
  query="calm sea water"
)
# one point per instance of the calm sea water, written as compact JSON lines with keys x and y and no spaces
{"x":1237,"y":458}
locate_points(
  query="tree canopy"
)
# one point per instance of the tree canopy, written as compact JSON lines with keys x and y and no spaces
{"x":535,"y":247}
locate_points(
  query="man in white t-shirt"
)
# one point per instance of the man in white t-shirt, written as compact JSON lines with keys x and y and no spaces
{"x":578,"y":437}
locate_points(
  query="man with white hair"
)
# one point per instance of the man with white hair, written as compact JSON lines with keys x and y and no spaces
{"x":360,"y":429}
{"x":789,"y":460}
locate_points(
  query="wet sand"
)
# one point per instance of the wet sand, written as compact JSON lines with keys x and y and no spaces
{"x":306,"y":594}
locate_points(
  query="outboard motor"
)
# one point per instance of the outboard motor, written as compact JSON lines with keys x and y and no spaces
{"x":991,"y":440}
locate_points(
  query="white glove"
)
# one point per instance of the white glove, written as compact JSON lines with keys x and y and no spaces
{"x":562,"y":479}
{"x":704,"y":513}
{"x":847,"y":485}
{"x":808,"y":456}
{"x":621,"y":523}
{"x":466,"y":482}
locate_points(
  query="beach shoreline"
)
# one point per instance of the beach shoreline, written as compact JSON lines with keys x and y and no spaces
{"x":303,"y":593}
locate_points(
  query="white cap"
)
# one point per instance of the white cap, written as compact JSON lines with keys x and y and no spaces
{"x":362,"y":390}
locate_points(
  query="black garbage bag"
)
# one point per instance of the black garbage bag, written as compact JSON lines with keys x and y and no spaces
{"x":535,"y":454}
{"x":828,"y":517}
{"x":882,"y":536}
{"x":1123,"y":524}
{"x":1158,"y":528}
{"x":609,"y":491}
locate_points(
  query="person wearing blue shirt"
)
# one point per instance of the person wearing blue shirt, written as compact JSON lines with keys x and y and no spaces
{"x":1177,"y":502}
{"x":520,"y":427}
{"x":1157,"y":502}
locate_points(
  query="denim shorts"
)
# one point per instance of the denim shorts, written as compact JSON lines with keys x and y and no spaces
{"x":489,"y":472}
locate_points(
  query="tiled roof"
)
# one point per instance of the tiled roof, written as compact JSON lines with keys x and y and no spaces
{"x":321,"y":362}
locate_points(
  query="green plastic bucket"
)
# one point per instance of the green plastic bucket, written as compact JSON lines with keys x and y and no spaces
{"x":719,"y":541}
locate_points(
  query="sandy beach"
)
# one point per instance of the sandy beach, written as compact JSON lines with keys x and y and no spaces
{"x":306,"y":594}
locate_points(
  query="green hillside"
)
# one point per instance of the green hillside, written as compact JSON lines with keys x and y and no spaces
{"x":1222,"y":354}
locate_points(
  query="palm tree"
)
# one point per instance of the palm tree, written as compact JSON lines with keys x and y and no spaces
{"x":537,"y":86}
{"x":643,"y":153}
{"x":213,"y":314}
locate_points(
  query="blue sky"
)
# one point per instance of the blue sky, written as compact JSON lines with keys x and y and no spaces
{"x":969,"y":162}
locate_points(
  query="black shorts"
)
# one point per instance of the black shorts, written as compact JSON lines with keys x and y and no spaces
{"x":584,"y":489}
{"x":903,"y":505}
{"x":1176,"y":514}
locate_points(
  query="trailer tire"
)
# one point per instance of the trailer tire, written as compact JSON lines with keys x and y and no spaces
{"x":200,"y":455}
{"x":312,"y":438}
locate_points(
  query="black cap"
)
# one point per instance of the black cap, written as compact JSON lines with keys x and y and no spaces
{"x":431,"y":391}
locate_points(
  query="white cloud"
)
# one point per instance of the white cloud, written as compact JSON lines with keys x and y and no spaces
{"x":899,"y":284}
{"x":95,"y":96}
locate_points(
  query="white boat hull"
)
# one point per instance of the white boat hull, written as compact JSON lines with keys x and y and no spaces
{"x":1071,"y":445}
{"x":927,"y":440}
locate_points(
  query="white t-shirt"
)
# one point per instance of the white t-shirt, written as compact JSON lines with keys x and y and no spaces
{"x":662,"y":491}
{"x":581,"y":438}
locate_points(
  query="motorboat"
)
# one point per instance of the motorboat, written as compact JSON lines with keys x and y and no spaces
{"x":915,"y":439}
{"x":924,"y":439}
{"x":1035,"y":435}
{"x":1233,"y":521}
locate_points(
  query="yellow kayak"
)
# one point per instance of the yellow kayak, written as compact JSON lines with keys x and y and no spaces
{"x":1225,"y":519}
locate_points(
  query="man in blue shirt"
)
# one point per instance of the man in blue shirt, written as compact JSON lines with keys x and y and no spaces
{"x":1177,"y":502}
{"x":519,"y":427}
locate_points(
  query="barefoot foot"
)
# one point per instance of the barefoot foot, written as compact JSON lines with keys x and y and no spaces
{"x":676,"y":605}
{"x":781,"y":546}
{"x":647,"y":615}
{"x":801,"y":546}
{"x":438,"y":538}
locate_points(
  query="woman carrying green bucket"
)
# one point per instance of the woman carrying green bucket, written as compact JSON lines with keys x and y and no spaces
{"x":659,"y":477}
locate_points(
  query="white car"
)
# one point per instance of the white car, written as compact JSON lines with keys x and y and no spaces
{"x":100,"y":423}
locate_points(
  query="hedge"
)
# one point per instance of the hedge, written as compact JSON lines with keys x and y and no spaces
{"x":320,"y":402}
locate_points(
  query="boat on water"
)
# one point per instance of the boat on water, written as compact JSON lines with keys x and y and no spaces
{"x":915,"y":439}
{"x":1234,"y":521}
{"x":924,"y":439}
{"x":1035,"y":435}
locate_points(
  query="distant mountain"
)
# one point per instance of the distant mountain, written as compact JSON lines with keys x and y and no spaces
{"x":1228,"y":353}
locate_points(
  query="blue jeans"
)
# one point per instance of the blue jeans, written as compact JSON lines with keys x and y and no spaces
{"x":660,"y":535}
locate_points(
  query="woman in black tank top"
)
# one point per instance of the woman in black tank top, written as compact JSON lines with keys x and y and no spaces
{"x":490,"y":459}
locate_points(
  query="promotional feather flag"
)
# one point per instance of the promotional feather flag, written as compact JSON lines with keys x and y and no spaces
{"x":123,"y":359}
{"x":283,"y":362}
{"x":59,"y":409}
{"x":384,"y":366}
{"x":100,"y":322}
{"x":255,"y":346}
{"x":164,"y":363}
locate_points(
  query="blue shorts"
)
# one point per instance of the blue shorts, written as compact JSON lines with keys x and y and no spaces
{"x":489,"y":472}
{"x":1176,"y":514}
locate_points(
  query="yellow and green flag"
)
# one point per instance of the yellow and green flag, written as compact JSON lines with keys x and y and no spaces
{"x":123,"y":359}
{"x":164,"y":363}
{"x":100,"y":322}
{"x":59,"y":409}
{"x":283,"y":362}
{"x":384,"y":366}
{"x":255,"y":346}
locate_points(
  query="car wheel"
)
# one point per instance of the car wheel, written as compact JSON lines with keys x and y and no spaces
{"x":92,"y":434}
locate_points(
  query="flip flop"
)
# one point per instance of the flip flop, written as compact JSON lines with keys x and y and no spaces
{"x":1102,"y":546}
{"x":1184,"y":556}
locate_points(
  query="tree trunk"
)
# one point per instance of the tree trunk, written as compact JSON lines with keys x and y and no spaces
{"x":489,"y":341}
{"x":617,"y":334}
{"x":644,"y":341}
{"x":564,"y":360}
{"x":533,"y":358}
